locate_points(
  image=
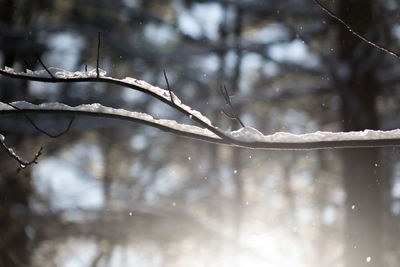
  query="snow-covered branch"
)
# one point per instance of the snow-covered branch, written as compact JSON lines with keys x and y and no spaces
{"x":245,"y":137}
{"x":97,"y":110}
{"x":98,"y":75}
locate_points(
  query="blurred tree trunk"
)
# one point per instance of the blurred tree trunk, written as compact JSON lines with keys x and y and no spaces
{"x":15,"y":188}
{"x":14,"y":196}
{"x":358,"y":89}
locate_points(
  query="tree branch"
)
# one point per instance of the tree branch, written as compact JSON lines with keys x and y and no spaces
{"x":62,"y":76}
{"x":37,"y":127}
{"x":277,"y":141}
{"x":337,"y":18}
{"x":246,"y":137}
{"x":23,"y":163}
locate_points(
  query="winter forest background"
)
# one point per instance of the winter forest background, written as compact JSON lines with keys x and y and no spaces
{"x":111,"y":193}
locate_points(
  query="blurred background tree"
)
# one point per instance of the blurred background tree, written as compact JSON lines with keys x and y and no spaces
{"x":112,"y":194}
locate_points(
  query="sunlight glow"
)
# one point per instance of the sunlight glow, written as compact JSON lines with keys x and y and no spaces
{"x":270,"y":250}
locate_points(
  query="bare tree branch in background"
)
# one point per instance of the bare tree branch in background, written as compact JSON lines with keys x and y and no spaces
{"x":337,"y":18}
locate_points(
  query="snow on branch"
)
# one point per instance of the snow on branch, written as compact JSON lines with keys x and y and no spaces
{"x":37,"y":127}
{"x":245,"y":137}
{"x":99,"y":110}
{"x":63,"y":76}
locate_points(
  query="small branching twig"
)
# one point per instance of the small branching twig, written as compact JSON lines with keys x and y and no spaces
{"x":227,"y":98}
{"x":98,"y":55}
{"x":37,"y":127}
{"x":336,"y":17}
{"x":169,"y":89}
{"x":23,"y":163}
{"x":44,"y":66}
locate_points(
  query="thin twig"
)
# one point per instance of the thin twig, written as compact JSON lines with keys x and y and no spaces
{"x":98,"y":55}
{"x":37,"y":127}
{"x":336,"y":17}
{"x":227,"y":97}
{"x":44,"y":66}
{"x":23,"y":163}
{"x":169,"y":89}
